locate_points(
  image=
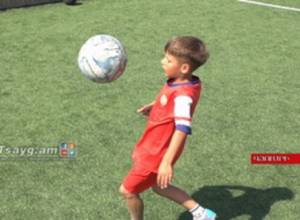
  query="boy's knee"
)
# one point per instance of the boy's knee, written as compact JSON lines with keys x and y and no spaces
{"x":126,"y":194}
{"x":122,"y":190}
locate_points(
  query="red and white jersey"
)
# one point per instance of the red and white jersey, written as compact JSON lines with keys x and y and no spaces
{"x":173,"y":109}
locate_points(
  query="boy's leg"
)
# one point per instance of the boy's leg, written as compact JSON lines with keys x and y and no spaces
{"x":181,"y":197}
{"x":137,"y":181}
{"x":134,"y":203}
{"x":177,"y":195}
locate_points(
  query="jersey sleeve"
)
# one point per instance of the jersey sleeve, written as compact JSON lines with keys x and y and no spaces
{"x":182,"y":113}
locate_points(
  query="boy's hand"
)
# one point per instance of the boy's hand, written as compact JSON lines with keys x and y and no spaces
{"x":165,"y":170}
{"x":146,"y":109}
{"x":164,"y":175}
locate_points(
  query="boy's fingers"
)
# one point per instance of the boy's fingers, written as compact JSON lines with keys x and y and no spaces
{"x":168,"y":180}
{"x":160,"y":181}
{"x":162,"y":184}
{"x":163,"y":181}
{"x":140,"y":110}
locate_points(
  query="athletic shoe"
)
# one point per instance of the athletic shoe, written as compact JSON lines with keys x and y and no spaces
{"x":206,"y":215}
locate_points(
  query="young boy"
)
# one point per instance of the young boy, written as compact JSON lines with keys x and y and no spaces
{"x":168,"y":125}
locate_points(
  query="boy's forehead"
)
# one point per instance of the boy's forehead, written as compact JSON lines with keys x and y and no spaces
{"x":170,"y":56}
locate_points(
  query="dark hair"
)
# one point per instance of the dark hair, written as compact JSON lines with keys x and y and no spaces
{"x":189,"y":49}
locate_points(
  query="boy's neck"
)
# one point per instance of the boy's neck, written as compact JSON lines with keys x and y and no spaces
{"x":184,"y":79}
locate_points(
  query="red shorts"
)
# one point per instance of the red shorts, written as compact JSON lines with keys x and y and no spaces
{"x":139,"y":179}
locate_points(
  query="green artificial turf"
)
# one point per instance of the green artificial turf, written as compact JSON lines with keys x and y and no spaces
{"x":250,"y":103}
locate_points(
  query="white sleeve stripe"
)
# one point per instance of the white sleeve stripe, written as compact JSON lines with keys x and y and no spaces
{"x":183,"y":122}
{"x":184,"y":98}
{"x":183,"y":106}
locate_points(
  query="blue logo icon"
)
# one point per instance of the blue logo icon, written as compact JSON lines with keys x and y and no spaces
{"x":67,"y":150}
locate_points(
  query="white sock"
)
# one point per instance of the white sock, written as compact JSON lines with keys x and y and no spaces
{"x":197,"y":210}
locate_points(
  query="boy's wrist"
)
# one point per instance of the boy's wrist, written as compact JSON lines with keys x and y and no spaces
{"x":166,"y":162}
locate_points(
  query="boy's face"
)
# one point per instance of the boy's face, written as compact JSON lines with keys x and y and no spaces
{"x":172,"y":66}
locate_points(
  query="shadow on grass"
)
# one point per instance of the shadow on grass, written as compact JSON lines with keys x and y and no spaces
{"x":39,"y":4}
{"x":75,"y":4}
{"x":232,"y":201}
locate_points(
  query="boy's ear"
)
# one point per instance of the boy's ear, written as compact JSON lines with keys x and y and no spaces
{"x":185,"y":68}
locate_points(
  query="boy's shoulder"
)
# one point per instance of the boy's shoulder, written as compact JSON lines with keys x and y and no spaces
{"x":172,"y":93}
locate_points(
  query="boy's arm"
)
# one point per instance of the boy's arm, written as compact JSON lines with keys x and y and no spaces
{"x":182,"y":113}
{"x":165,"y":170}
{"x":145,"y":110}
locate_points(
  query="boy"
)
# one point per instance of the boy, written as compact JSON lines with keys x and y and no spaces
{"x":168,"y":125}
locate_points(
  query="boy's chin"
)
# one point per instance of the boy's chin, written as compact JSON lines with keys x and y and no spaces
{"x":170,"y":78}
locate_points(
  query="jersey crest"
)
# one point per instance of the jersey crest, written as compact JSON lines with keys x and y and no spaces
{"x":163,"y":100}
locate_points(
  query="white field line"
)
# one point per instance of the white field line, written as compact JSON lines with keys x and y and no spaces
{"x":269,"y":5}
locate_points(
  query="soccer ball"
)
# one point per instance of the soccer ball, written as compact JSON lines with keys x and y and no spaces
{"x":102,"y":58}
